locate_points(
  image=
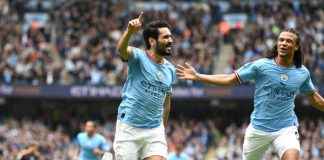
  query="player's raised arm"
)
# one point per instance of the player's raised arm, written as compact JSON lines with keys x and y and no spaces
{"x":133,"y":26}
{"x":189,"y":73}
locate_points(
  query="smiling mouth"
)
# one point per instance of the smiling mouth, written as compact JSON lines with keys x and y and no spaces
{"x":282,"y":49}
{"x":168,"y":46}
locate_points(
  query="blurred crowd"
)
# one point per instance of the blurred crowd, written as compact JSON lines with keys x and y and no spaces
{"x":77,"y":43}
{"x":18,"y":135}
{"x":52,"y":143}
{"x":267,"y":18}
{"x":187,"y":138}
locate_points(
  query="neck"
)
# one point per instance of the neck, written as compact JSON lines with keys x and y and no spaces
{"x":155,"y":56}
{"x":283,"y":61}
{"x":90,"y":134}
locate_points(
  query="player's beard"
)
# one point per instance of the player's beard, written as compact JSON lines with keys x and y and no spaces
{"x":161,"y":49}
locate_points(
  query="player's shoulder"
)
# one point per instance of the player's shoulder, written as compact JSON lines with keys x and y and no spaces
{"x":263,"y":61}
{"x":100,"y":136}
{"x":136,"y":50}
{"x":82,"y":135}
{"x":168,"y":64}
{"x":171,"y":68}
{"x":304,"y":69}
{"x":257,"y":63}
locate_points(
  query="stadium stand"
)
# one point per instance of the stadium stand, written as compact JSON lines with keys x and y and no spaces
{"x":265,"y":21}
{"x":72,"y":47}
{"x":74,"y":43}
{"x":198,"y":139}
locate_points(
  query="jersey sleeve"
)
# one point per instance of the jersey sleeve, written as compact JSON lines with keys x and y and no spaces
{"x":169,"y":90}
{"x":174,"y":80}
{"x":104,"y":146}
{"x":77,"y":140}
{"x":307,"y":87}
{"x":136,"y":53}
{"x":247,"y":72}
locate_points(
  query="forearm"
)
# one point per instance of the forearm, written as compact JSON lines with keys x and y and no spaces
{"x":76,"y":153}
{"x":219,"y":80}
{"x":123,"y":44}
{"x":318,"y":102}
{"x":167,"y":104}
{"x":100,"y":152}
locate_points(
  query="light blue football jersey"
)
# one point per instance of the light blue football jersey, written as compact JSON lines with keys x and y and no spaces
{"x":276,"y":87}
{"x":174,"y":156}
{"x":145,"y":89}
{"x":87,"y":144}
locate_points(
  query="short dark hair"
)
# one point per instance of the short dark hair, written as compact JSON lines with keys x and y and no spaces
{"x":93,"y":122}
{"x":298,"y":56}
{"x":152,"y":30}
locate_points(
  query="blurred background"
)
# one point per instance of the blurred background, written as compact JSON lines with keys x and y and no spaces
{"x":59,"y":67}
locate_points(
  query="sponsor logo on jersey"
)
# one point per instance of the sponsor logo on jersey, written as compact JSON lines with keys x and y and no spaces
{"x":154,"y":90}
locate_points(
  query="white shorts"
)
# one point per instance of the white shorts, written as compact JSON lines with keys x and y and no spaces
{"x":138,"y":143}
{"x":256,"y":142}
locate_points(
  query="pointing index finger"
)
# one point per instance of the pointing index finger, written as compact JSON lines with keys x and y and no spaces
{"x":141,"y":16}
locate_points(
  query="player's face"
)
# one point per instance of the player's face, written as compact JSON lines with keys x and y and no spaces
{"x":90,"y":127}
{"x":287,"y":44}
{"x":164,"y":42}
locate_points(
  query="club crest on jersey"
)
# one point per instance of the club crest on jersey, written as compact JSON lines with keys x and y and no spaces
{"x":284,"y":77}
{"x":159,"y":74}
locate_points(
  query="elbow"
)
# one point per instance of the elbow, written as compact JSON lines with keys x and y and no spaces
{"x":119,"y":48}
{"x":121,"y":51}
{"x":316,"y":100}
{"x":230,"y":80}
{"x":319,"y":106}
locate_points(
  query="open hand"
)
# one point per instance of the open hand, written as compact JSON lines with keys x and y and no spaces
{"x":136,"y":24}
{"x":186,"y":73}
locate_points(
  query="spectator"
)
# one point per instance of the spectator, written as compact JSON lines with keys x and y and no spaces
{"x":185,"y":137}
{"x":178,"y":154}
{"x":265,"y":21}
{"x":76,"y":48}
{"x":31,"y":152}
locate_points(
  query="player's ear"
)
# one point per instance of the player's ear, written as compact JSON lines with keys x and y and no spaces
{"x":152,"y":41}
